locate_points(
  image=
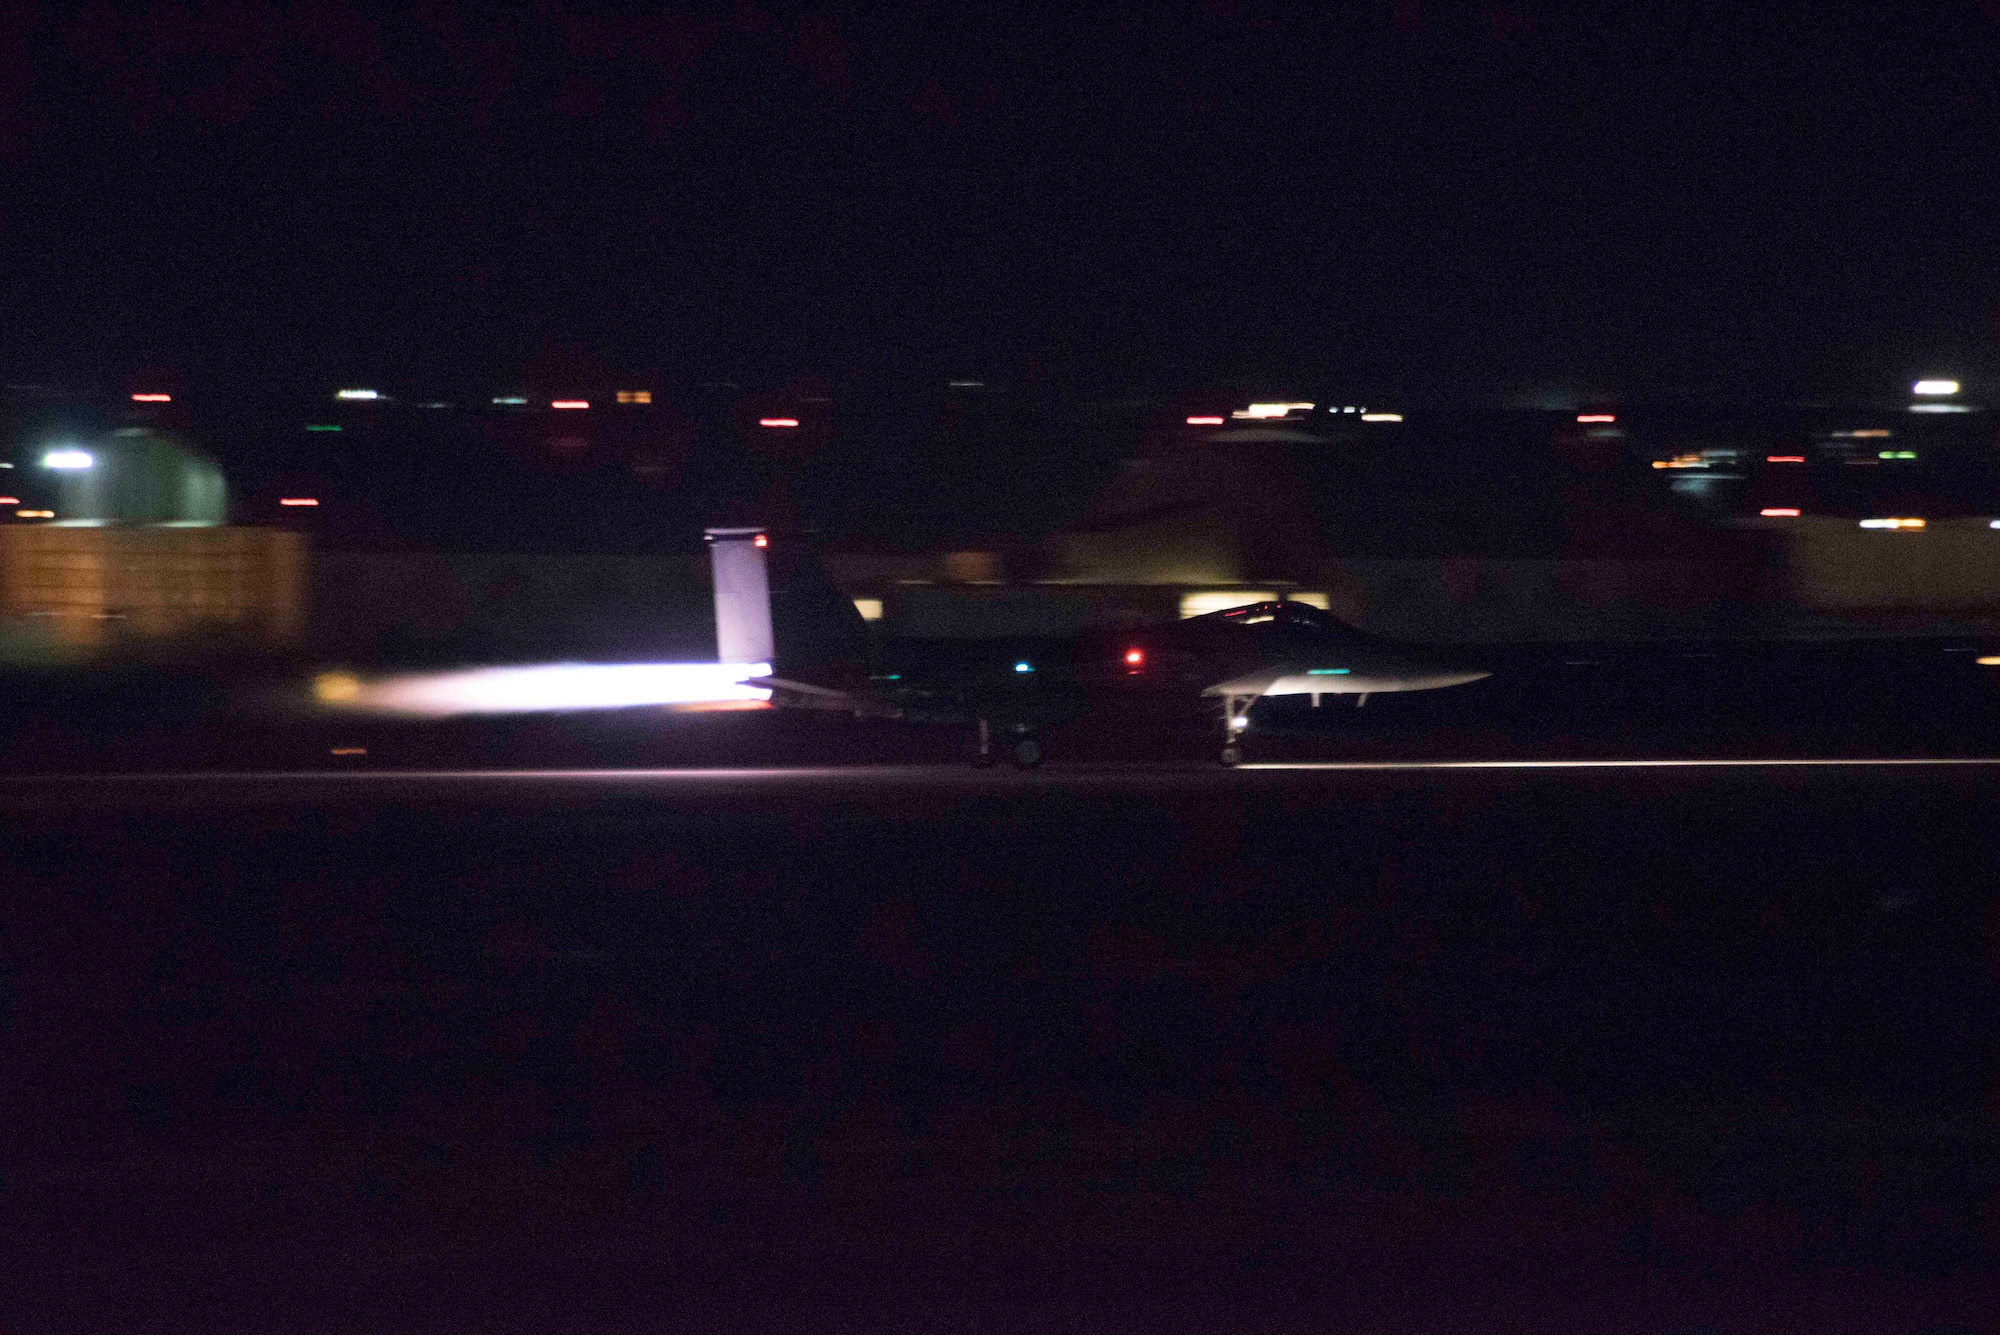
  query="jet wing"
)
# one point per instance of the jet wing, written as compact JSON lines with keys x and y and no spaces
{"x":1354,"y":674}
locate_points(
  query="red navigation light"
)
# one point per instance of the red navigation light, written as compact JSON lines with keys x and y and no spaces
{"x":1135,"y":658}
{"x":1779,"y":512}
{"x":570,"y":403}
{"x":1596,"y":417}
{"x":1784,"y":458}
{"x":761,"y":541}
{"x":10,"y":500}
{"x":298,"y":500}
{"x":152,"y":398}
{"x":1203,"y":420}
{"x":777,"y":421}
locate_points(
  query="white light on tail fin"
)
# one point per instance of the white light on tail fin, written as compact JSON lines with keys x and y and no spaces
{"x":742,"y":595}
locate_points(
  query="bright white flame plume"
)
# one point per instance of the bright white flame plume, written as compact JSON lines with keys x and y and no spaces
{"x":555,"y":686}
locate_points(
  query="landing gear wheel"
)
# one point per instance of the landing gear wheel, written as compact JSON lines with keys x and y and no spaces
{"x":1235,"y":718}
{"x":1026,"y":753}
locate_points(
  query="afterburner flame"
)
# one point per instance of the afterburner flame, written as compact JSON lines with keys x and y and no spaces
{"x":553,"y":687}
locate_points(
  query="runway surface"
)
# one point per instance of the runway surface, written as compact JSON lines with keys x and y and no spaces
{"x":803,"y":780}
{"x":1645,"y":1045}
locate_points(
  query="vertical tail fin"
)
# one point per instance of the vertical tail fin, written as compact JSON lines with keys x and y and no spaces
{"x":742,"y":595}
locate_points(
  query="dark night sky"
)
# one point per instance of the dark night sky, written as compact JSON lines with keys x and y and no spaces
{"x":1412,"y":194}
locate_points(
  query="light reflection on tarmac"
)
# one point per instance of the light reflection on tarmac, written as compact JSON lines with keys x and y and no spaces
{"x":226,"y":786}
{"x":1735,"y":763}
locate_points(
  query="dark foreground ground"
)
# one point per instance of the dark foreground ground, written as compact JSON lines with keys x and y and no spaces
{"x":920,"y":1049}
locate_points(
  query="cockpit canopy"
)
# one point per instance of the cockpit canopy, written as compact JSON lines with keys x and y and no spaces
{"x":1287,"y":620}
{"x":1288,"y":614}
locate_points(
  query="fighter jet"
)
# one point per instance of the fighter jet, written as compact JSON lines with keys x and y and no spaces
{"x":1012,"y":692}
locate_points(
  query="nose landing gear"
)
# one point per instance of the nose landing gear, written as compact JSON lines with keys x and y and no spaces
{"x":1235,"y":722}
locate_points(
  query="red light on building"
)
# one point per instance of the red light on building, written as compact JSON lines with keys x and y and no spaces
{"x":1597,"y":417}
{"x":1135,"y":658}
{"x":152,"y":398}
{"x":777,"y":421}
{"x":10,"y":500}
{"x":570,"y":403}
{"x":1779,"y":512}
{"x":1784,"y":458}
{"x":761,"y":541}
{"x":298,"y":500}
{"x":1202,"y":420}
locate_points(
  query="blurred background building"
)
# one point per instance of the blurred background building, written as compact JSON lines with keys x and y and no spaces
{"x":561,"y":518}
{"x":119,"y":546}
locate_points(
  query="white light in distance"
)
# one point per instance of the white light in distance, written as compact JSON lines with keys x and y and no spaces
{"x":68,"y":460}
{"x":363,"y":394}
{"x":1935,"y":387}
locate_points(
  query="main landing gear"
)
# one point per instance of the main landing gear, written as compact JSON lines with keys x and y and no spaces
{"x":1024,"y":749}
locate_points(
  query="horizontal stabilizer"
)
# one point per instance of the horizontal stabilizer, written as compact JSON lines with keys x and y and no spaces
{"x":805,"y":695}
{"x":802,"y":687}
